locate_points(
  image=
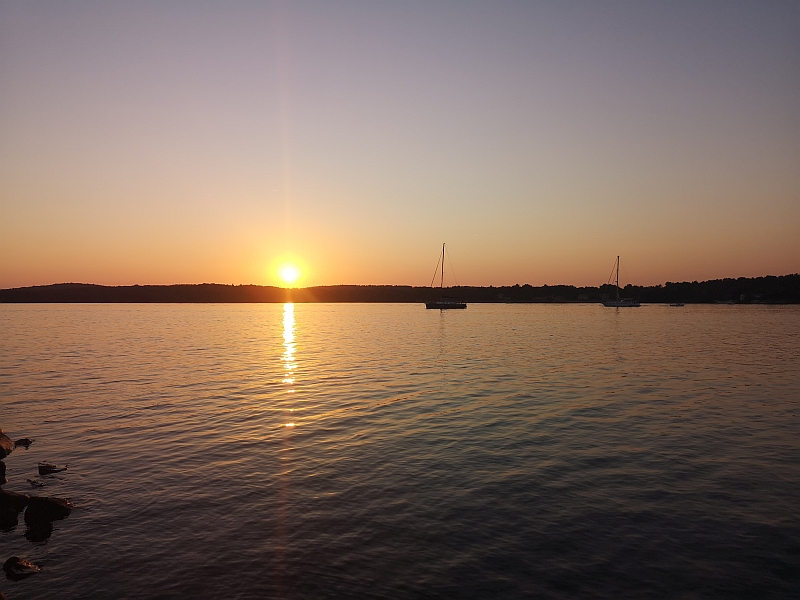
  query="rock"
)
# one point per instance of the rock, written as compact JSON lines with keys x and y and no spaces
{"x":8,"y":519}
{"x":43,"y":509}
{"x":13,"y":500}
{"x":3,"y":473}
{"x":39,"y":532}
{"x":11,"y":504}
{"x":36,"y":483}
{"x":17,"y":568}
{"x":24,"y":442}
{"x":47,"y":469}
{"x":6,"y":445}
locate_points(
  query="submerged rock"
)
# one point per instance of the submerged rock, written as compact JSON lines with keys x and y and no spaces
{"x":8,"y":519}
{"x":24,"y":442}
{"x":41,"y":513}
{"x":6,"y":445}
{"x":13,"y":500}
{"x":11,"y":504}
{"x":39,"y":532}
{"x":17,"y":568}
{"x":43,"y":509}
{"x":36,"y":483}
{"x":47,"y":469}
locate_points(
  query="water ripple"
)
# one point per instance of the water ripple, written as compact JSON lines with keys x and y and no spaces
{"x":386,"y":451}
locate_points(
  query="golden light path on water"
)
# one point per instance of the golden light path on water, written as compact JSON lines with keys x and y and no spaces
{"x":289,"y":362}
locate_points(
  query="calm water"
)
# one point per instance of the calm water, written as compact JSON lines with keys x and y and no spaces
{"x":386,"y":451}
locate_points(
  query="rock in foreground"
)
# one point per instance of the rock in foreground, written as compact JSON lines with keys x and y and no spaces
{"x":6,"y":445}
{"x":43,"y":509}
{"x":47,"y":469}
{"x":13,"y":500}
{"x":17,"y":568}
{"x":11,"y":504}
{"x":39,"y":532}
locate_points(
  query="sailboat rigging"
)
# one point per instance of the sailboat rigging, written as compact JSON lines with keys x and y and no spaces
{"x":443,"y":302}
{"x":620,"y":302}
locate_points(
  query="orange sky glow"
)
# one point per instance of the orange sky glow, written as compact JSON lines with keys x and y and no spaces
{"x":180,"y":143}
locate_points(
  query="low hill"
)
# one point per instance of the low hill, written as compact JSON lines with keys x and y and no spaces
{"x":767,"y":290}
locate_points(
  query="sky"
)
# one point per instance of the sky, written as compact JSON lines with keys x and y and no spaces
{"x":188,"y":141}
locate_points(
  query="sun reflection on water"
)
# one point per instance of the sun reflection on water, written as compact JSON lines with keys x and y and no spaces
{"x":288,"y":341}
{"x":289,"y":362}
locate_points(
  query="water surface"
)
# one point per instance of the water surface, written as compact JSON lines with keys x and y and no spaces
{"x":386,"y":451}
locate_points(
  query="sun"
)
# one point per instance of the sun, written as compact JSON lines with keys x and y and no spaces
{"x":288,"y":273}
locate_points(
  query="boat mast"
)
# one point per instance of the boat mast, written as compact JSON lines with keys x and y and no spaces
{"x":618,"y":277}
{"x":441,"y":283}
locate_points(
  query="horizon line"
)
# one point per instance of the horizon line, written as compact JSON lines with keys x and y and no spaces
{"x":381,"y":284}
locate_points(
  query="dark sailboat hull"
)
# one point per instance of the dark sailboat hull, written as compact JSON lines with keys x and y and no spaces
{"x":621,"y":303}
{"x":445,"y":304}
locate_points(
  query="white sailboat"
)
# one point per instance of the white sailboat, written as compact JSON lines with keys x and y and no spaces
{"x":443,"y":302}
{"x":620,"y":302}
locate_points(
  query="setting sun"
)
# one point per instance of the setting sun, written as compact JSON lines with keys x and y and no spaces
{"x":289,"y":273}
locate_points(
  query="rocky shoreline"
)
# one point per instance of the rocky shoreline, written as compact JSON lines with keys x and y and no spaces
{"x":40,"y":511}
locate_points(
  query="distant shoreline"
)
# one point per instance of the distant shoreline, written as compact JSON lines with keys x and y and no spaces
{"x":784,"y":289}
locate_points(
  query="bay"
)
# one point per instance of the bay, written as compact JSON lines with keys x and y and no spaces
{"x":386,"y":451}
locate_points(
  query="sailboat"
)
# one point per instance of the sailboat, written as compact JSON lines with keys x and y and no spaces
{"x":620,"y":302}
{"x":443,"y":302}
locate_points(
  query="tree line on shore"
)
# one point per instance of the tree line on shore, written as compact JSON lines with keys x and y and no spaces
{"x":783,"y":289}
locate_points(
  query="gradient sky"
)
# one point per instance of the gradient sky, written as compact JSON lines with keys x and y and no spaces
{"x":187,"y":142}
